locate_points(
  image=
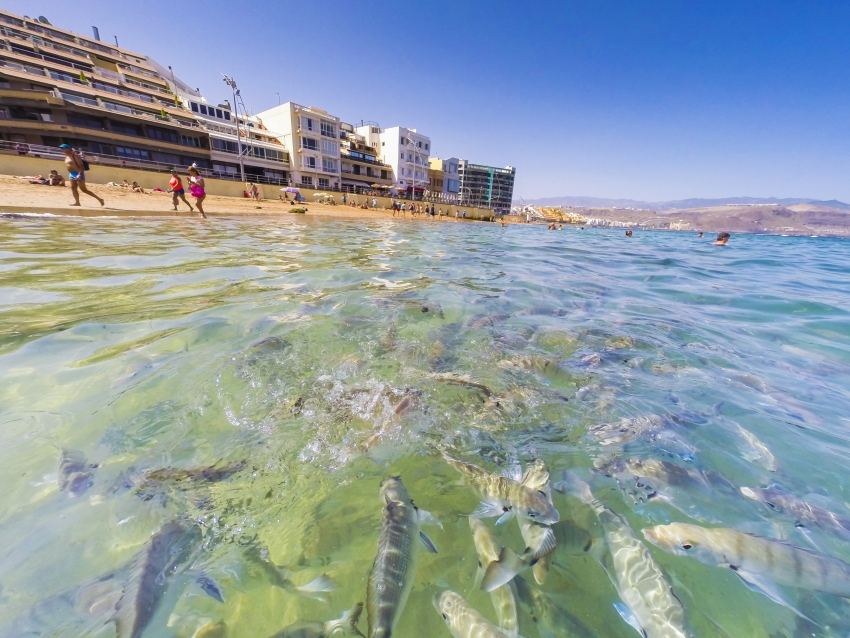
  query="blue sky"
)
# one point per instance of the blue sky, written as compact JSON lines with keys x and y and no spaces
{"x":649,"y":100}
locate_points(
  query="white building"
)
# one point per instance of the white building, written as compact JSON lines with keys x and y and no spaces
{"x":264,"y":158}
{"x":311,"y":136}
{"x":405,"y":150}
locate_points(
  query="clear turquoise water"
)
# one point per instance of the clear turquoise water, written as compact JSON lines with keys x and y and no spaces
{"x":131,"y":342}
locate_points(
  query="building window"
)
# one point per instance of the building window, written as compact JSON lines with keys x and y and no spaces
{"x":324,"y":182}
{"x":219,"y":114}
{"x":186,"y":140}
{"x":309,"y":143}
{"x":328,"y":165}
{"x":227,"y":115}
{"x":402,"y":155}
{"x":194,"y":107}
{"x":132,"y":153}
{"x":330,"y":148}
{"x":419,"y":144}
{"x":308,"y":124}
{"x":426,"y":146}
{"x":356,"y":169}
{"x":401,"y":141}
{"x":124,"y":129}
{"x":162,"y":134}
{"x":384,"y":175}
{"x":309,"y":162}
{"x":203,"y":110}
{"x":82,"y":120}
{"x":328,"y":129}
{"x":452,"y":185}
{"x":306,"y":180}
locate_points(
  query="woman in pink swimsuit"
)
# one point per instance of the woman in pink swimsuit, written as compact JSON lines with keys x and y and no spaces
{"x":196,"y":189}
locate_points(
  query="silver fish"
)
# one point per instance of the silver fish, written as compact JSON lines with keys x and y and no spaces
{"x":506,"y":496}
{"x":540,"y":540}
{"x":755,"y":450}
{"x":783,"y":501}
{"x":75,"y":473}
{"x":551,"y":619}
{"x":394,"y":568}
{"x":648,"y":597}
{"x":504,"y":596}
{"x":754,"y":558}
{"x":462,"y":620}
{"x":281,"y":576}
{"x":345,"y":625}
{"x":162,"y":555}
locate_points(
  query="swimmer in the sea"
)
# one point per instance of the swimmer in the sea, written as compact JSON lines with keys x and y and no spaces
{"x":722,"y":238}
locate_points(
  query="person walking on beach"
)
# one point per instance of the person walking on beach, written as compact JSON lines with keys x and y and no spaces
{"x":255,"y":192}
{"x":197,"y":189}
{"x":722,"y":238}
{"x":175,"y":187}
{"x":344,"y":199}
{"x":77,"y":174}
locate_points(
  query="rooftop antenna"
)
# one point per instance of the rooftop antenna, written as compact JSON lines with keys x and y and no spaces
{"x":96,"y":33}
{"x":44,"y":20}
{"x":116,"y":40}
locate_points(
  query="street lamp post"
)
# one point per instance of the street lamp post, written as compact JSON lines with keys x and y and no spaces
{"x":232,"y":84}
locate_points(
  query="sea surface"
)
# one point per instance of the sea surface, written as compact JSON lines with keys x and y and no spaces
{"x":309,"y":359}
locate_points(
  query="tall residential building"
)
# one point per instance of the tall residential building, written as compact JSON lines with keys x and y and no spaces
{"x":486,"y":186}
{"x":406,"y":150}
{"x":311,"y":137}
{"x":360,"y":165}
{"x":57,"y":87}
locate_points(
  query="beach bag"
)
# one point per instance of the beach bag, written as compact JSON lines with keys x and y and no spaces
{"x":83,"y":161}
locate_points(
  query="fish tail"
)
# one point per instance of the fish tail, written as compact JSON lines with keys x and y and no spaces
{"x":502,"y":571}
{"x":323,"y":583}
{"x":572,"y":484}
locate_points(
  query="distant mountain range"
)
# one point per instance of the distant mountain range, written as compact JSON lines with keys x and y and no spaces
{"x":603,"y":202}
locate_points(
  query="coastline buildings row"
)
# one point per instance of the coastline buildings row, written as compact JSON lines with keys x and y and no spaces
{"x":121,"y":107}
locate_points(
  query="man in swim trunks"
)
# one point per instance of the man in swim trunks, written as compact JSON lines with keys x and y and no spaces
{"x":77,"y":174}
{"x":175,"y":185}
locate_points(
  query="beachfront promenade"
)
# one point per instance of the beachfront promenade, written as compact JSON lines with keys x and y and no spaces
{"x":224,"y":197}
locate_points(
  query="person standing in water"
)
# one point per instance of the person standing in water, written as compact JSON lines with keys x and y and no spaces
{"x":196,"y":189}
{"x":722,"y":238}
{"x":77,"y":174}
{"x":175,"y":185}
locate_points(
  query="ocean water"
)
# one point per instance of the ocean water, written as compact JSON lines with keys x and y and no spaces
{"x":313,"y":358}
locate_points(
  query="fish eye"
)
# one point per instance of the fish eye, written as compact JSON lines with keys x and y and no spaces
{"x":542,"y":493}
{"x":533,"y":513}
{"x":448,"y":603}
{"x":686,"y":546}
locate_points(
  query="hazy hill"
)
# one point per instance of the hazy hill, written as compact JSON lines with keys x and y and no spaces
{"x":602,"y":202}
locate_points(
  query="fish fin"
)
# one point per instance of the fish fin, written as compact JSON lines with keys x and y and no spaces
{"x":541,"y":570}
{"x":629,"y":616}
{"x":806,"y":533}
{"x":765,"y":588}
{"x":427,"y":542}
{"x":323,"y":583}
{"x":504,"y":518}
{"x":209,"y":586}
{"x":502,"y":571}
{"x":572,"y":484}
{"x":427,"y":518}
{"x":513,"y":470}
{"x":487,"y":509}
{"x":536,"y":477}
{"x":351,"y":618}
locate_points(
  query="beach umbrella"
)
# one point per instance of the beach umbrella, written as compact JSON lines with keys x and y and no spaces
{"x":320,"y":194}
{"x":290,"y":190}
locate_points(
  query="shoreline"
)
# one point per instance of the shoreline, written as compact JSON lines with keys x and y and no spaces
{"x":19,"y":197}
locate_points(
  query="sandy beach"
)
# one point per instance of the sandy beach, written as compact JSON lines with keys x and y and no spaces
{"x":19,"y":196}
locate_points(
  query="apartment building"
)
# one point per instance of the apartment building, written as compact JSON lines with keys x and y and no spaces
{"x":311,"y":136}
{"x":57,"y":87}
{"x":486,"y":186}
{"x":361,"y":167}
{"x":404,"y":149}
{"x":263,"y":157}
